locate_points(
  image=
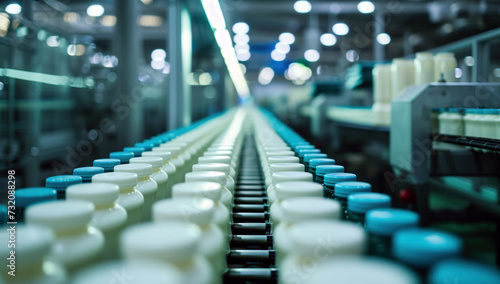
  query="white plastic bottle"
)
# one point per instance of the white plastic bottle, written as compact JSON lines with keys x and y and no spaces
{"x":319,"y":241}
{"x":234,"y":160}
{"x":217,"y":167}
{"x":382,"y":93}
{"x":158,"y":175}
{"x":168,"y":168}
{"x":129,"y":198}
{"x":292,"y":189}
{"x":218,"y":177}
{"x":31,"y":266}
{"x":278,"y":159}
{"x":213,"y":244}
{"x":487,"y":123}
{"x":184,"y":152}
{"x":218,"y":159}
{"x":109,"y":217}
{"x":283,"y":167}
{"x":424,"y":68}
{"x":284,"y":177}
{"x":402,"y":71}
{"x":76,"y":243}
{"x":145,"y":185}
{"x":144,"y":271}
{"x":210,"y":190}
{"x":301,"y":209}
{"x":445,"y":64}
{"x":177,"y":161}
{"x":171,"y":242}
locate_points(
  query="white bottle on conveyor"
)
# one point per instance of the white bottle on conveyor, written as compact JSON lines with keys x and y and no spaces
{"x":177,"y":161}
{"x":217,"y":177}
{"x":174,"y":243}
{"x":129,"y":198}
{"x":282,"y":167}
{"x":109,"y":217}
{"x":76,"y":242}
{"x":284,"y":177}
{"x":217,"y":167}
{"x":158,"y":175}
{"x":145,"y":185}
{"x":167,"y":167}
{"x":218,"y":159}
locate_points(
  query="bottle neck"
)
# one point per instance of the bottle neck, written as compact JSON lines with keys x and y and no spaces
{"x":72,"y":233}
{"x":144,"y":178}
{"x":127,"y":189}
{"x":105,"y":206}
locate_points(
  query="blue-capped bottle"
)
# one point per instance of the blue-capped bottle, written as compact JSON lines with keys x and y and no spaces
{"x":422,"y":248}
{"x":381,"y":224}
{"x":107,"y":164}
{"x":136,"y":150}
{"x":319,"y":162}
{"x":302,"y":152}
{"x":462,"y":271}
{"x":331,"y":179}
{"x":60,"y":183}
{"x":26,"y":197}
{"x":322,"y":170}
{"x":309,"y":157}
{"x":87,"y":172}
{"x":124,"y":157}
{"x":360,"y":203}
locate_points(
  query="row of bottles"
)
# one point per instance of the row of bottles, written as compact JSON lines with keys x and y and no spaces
{"x":471,"y":122}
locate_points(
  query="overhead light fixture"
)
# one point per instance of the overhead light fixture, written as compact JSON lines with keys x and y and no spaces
{"x":95,"y":10}
{"x":108,"y":21}
{"x":277,"y":56}
{"x":53,"y":41}
{"x":383,"y":39}
{"x":214,"y":14}
{"x":146,"y":2}
{"x":282,"y":47}
{"x":71,"y":17}
{"x":366,"y":7}
{"x":241,"y":38}
{"x":150,"y":21}
{"x":13,"y":9}
{"x":242,"y":48}
{"x":352,"y":55}
{"x":302,"y":7}
{"x":266,"y":75}
{"x":340,"y":29}
{"x":287,"y":38}
{"x":241,"y":28}
{"x":158,"y":64}
{"x":243,"y":57}
{"x":158,"y":54}
{"x":328,"y":39}
{"x":311,"y":55}
{"x":76,"y":49}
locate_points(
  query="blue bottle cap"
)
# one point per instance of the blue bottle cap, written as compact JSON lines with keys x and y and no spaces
{"x":334,"y":178}
{"x":313,"y":163}
{"x":386,"y":222}
{"x":60,"y":183}
{"x":124,"y":157}
{"x":302,"y":152}
{"x":322,"y":170}
{"x":32,"y":195}
{"x":490,"y":111}
{"x":424,"y":247}
{"x":154,"y":141}
{"x":136,"y":150}
{"x":463,"y":271}
{"x":294,"y":144}
{"x":309,"y":157}
{"x":145,"y":145}
{"x":3,"y":214}
{"x":365,"y":201}
{"x":107,"y":164}
{"x":87,"y":172}
{"x":303,"y":147}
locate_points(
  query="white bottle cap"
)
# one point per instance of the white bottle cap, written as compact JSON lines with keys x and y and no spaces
{"x":188,"y":209}
{"x":218,"y":153}
{"x":210,"y":190}
{"x":167,"y":241}
{"x":215,"y":159}
{"x":155,"y":162}
{"x":291,"y":189}
{"x":61,"y":215}
{"x":144,"y":271}
{"x":282,"y":159}
{"x":310,"y":208}
{"x":211,"y":176}
{"x":166,"y":156}
{"x":95,"y":192}
{"x":280,"y":153}
{"x":220,"y":148}
{"x":291,"y":176}
{"x":286,"y":167}
{"x":123,"y":180}
{"x":276,"y":148}
{"x":348,"y":270}
{"x":173,"y":150}
{"x":141,"y":170}
{"x":177,"y":143}
{"x":32,"y":242}
{"x":332,"y":237}
{"x":216,"y":167}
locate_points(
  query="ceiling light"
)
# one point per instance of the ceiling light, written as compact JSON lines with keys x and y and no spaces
{"x":241,"y":38}
{"x":302,"y":7}
{"x":13,"y":9}
{"x":340,"y":29}
{"x":266,"y":75}
{"x":71,"y":17}
{"x":287,"y":38}
{"x":108,"y":21}
{"x":277,"y":56}
{"x":311,"y":55}
{"x":95,"y":10}
{"x":158,"y":54}
{"x":366,"y":7}
{"x":214,"y":14}
{"x":158,"y":65}
{"x":282,"y":47}
{"x":241,"y":28}
{"x":150,"y":21}
{"x":243,"y":56}
{"x":328,"y":39}
{"x":53,"y":41}
{"x":242,"y":48}
{"x":383,"y":39}
{"x":352,"y":55}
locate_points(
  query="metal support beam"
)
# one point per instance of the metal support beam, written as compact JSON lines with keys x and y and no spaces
{"x":180,"y":54}
{"x":378,"y":49}
{"x":129,"y":110}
